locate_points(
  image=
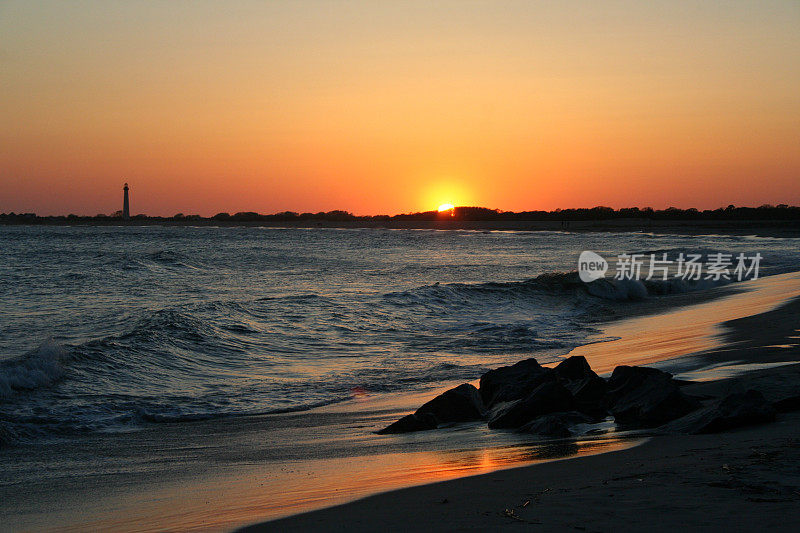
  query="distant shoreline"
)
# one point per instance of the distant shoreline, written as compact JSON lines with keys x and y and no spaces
{"x":762,"y":228}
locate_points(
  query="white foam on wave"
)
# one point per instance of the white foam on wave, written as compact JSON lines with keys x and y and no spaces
{"x":633,"y":289}
{"x":38,"y":368}
{"x":619,"y":290}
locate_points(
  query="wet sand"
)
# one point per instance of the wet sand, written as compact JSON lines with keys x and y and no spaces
{"x":746,"y":480}
{"x":648,"y":335}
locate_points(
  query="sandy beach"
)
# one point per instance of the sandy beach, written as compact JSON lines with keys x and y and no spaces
{"x":744,"y":480}
{"x":740,"y":480}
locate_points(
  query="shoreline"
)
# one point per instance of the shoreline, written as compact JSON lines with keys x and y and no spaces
{"x":680,"y":332}
{"x":238,"y":480}
{"x":672,"y":483}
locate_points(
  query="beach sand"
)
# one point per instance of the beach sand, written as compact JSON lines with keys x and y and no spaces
{"x":745,"y":480}
{"x":742,"y":480}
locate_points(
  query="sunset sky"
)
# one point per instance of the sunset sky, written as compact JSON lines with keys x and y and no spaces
{"x":388,"y":107}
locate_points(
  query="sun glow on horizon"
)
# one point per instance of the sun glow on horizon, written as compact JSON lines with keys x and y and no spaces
{"x":388,"y":107}
{"x":446,"y":207}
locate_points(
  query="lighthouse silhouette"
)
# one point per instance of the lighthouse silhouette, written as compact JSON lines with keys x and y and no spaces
{"x":126,"y":212}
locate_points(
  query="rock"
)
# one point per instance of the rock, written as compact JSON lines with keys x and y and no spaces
{"x":584,"y":384}
{"x":735,"y":410}
{"x":509,"y":383}
{"x":646,"y":397}
{"x":589,"y":395}
{"x":788,"y":404}
{"x":574,"y":368}
{"x":625,"y":379}
{"x":555,"y":425}
{"x":549,"y":397}
{"x":780,"y":386}
{"x":411,"y":423}
{"x":460,"y":404}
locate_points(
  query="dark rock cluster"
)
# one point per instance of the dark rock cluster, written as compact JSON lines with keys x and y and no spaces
{"x":530,"y":398}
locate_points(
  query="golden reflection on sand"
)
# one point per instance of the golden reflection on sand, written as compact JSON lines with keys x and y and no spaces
{"x":256,"y":493}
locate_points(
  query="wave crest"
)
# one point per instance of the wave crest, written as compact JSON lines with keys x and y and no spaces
{"x":565,"y":284}
{"x":38,"y":368}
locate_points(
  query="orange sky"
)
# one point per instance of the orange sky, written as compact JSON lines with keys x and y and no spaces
{"x":395,"y":107}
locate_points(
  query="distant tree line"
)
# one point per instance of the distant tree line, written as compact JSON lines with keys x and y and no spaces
{"x":764,"y":212}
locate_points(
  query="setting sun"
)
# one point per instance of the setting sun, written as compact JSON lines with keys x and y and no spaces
{"x":253,"y":206}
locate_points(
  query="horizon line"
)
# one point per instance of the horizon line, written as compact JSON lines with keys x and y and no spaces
{"x":444,"y":214}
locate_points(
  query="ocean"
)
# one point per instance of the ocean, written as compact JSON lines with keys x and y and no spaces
{"x":113,"y":329}
{"x":240,"y":372}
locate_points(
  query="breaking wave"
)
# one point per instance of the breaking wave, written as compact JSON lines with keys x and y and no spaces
{"x":39,"y":368}
{"x":561,"y":284}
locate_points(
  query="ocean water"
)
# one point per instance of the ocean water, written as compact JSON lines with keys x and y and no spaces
{"x":116,"y":329}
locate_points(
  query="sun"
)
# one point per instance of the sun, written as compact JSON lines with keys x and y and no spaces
{"x":446,"y":207}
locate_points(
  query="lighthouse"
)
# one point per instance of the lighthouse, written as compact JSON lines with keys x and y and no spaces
{"x":126,"y":212}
